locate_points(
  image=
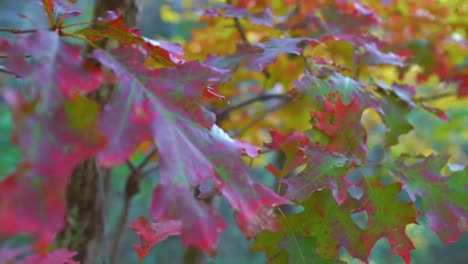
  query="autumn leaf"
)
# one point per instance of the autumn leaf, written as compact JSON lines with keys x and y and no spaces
{"x":341,"y":125}
{"x":387,"y":217}
{"x":152,"y":233}
{"x":444,"y":212}
{"x":112,"y":26}
{"x":323,"y":170}
{"x":169,"y":112}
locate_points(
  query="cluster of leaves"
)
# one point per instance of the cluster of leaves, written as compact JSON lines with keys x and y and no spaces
{"x":317,"y":66}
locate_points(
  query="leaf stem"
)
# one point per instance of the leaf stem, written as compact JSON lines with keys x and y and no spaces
{"x":239,"y":27}
{"x":288,"y":225}
{"x":77,"y":24}
{"x":243,"y":36}
{"x":18,"y":31}
{"x":132,"y":187}
{"x":434,"y":97}
{"x":64,"y":34}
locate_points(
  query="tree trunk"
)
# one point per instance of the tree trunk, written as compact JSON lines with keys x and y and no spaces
{"x":87,"y":190}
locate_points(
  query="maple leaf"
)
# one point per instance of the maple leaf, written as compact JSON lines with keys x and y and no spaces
{"x":47,"y":138}
{"x":152,"y":233}
{"x":424,"y":179}
{"x":53,"y":125}
{"x":334,"y":82}
{"x":330,"y":224}
{"x":54,"y":136}
{"x":261,"y":18}
{"x":260,"y":55}
{"x":112,"y":26}
{"x":168,"y":96}
{"x":281,"y":247}
{"x":341,"y":125}
{"x":55,"y":68}
{"x":200,"y":224}
{"x":293,"y":146}
{"x":194,"y":150}
{"x":397,"y":104}
{"x":21,"y":211}
{"x":387,"y":217}
{"x":323,"y":170}
{"x":373,"y":56}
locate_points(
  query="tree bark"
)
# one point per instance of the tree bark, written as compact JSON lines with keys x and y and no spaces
{"x":87,"y":190}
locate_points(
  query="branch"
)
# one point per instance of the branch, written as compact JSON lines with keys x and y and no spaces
{"x":18,"y":31}
{"x":132,"y":187}
{"x":260,"y":98}
{"x":257,"y":119}
{"x":240,"y":28}
{"x":243,"y":35}
{"x":6,"y":56}
{"x":434,"y":97}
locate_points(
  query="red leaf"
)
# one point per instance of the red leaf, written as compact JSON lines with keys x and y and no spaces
{"x":169,"y":111}
{"x":47,"y":137}
{"x":293,"y":146}
{"x":58,"y":68}
{"x":112,"y":25}
{"x":341,"y":123}
{"x":200,"y":224}
{"x":152,"y":233}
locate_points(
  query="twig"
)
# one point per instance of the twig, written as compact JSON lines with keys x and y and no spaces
{"x":262,"y":97}
{"x":257,"y":119}
{"x":76,"y":24}
{"x":6,"y":56}
{"x":434,"y":97}
{"x":239,"y":27}
{"x":243,"y":35}
{"x":132,"y":187}
{"x":18,"y":31}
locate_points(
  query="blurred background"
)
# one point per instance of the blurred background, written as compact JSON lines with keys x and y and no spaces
{"x":174,"y":20}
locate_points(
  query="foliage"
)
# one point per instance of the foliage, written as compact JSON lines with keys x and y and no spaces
{"x":343,"y":87}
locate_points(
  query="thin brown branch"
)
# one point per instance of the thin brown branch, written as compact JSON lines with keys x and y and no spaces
{"x":6,"y":56}
{"x":132,"y":187}
{"x":241,"y":30}
{"x":434,"y":97}
{"x":18,"y":31}
{"x":221,"y":116}
{"x":243,"y":36}
{"x":258,"y":119}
